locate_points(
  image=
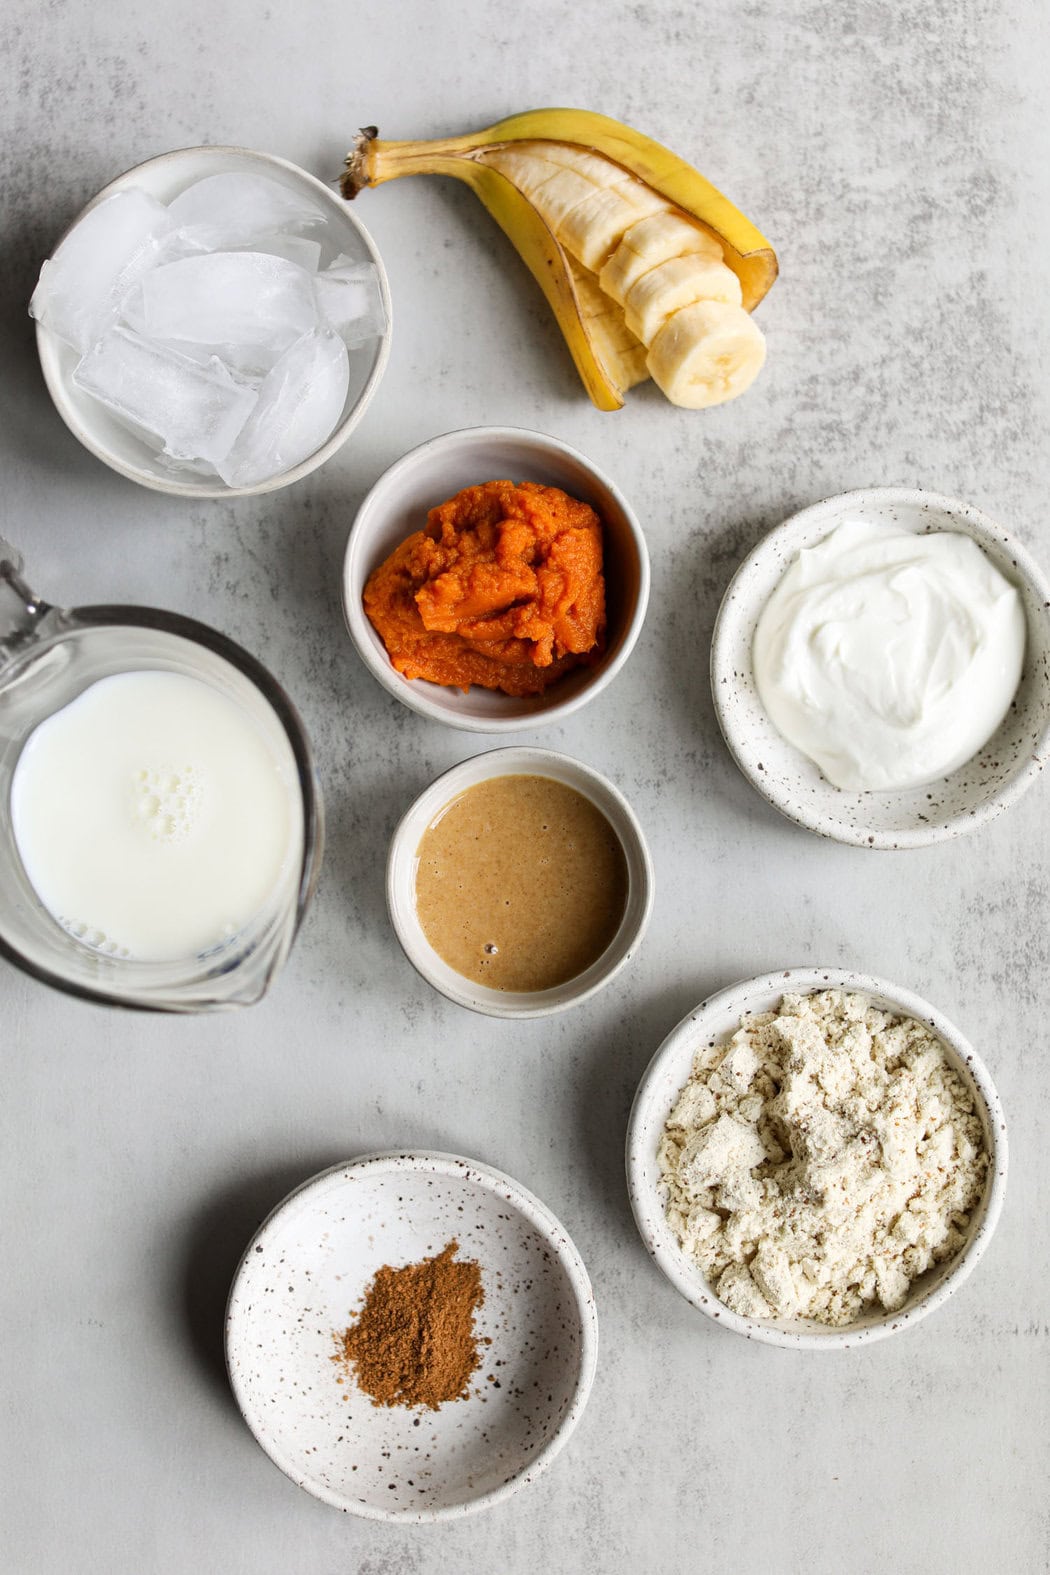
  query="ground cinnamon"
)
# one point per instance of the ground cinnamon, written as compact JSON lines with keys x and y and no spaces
{"x":413,"y":1343}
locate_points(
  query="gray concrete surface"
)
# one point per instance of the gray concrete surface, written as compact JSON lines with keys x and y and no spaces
{"x":898,"y":155}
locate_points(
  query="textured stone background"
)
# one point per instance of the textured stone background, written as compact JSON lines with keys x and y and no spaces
{"x":897,"y":154}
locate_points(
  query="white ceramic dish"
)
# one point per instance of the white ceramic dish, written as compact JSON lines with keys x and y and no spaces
{"x":164,"y":178}
{"x":714,"y":1020}
{"x":979,"y":790}
{"x":397,"y":505}
{"x":402,"y":862}
{"x":300,"y":1283}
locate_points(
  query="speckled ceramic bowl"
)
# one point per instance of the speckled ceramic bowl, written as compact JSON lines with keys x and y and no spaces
{"x":397,"y":505}
{"x":793,"y":784}
{"x":716,"y":1019}
{"x":402,"y":863}
{"x":164,"y":178}
{"x":301,"y":1282}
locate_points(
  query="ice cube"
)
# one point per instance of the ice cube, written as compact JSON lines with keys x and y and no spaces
{"x":226,"y":211}
{"x":247,"y":364}
{"x":246,"y":299}
{"x":185,"y":469}
{"x":299,"y":404}
{"x":176,"y":245}
{"x":349,"y":299}
{"x":196,"y":411}
{"x":294,"y":249}
{"x":81,"y":286}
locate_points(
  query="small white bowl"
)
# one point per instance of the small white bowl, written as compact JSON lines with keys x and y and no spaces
{"x":301,"y":1282}
{"x":397,"y":505}
{"x":793,"y":784}
{"x":164,"y":178}
{"x":716,"y":1019}
{"x":403,"y":862}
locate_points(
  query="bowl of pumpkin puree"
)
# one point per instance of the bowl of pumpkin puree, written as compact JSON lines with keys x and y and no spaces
{"x":519,"y":883}
{"x":495,"y":579}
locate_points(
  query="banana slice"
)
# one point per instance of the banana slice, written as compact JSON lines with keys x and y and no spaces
{"x":591,"y":230}
{"x":705,"y":354}
{"x":539,"y":171}
{"x":621,"y":355}
{"x":561,"y":193}
{"x":671,"y":285}
{"x":598,"y":169}
{"x":652,"y":241}
{"x":588,"y":202}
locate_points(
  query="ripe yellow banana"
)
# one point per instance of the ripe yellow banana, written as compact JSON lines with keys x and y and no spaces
{"x":678,"y":282}
{"x":649,"y":243}
{"x":620,"y":354}
{"x":625,"y":239}
{"x":705,"y":354}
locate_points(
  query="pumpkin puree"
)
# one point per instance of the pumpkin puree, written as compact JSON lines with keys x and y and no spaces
{"x":504,"y":588}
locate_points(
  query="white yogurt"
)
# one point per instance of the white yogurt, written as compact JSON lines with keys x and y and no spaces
{"x":887,"y":657}
{"x":153,"y":817}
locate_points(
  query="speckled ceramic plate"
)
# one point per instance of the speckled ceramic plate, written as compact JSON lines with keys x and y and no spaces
{"x":301,"y":1282}
{"x":986,"y":785}
{"x":714,"y":1020}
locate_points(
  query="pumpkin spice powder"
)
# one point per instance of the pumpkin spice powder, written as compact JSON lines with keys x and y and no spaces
{"x":413,"y":1343}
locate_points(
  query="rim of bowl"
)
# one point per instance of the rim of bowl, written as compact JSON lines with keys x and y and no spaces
{"x":407,"y":690}
{"x":47,"y":343}
{"x":647,"y":1205}
{"x":453,"y":1167}
{"x":953,"y":825}
{"x":522,"y":760}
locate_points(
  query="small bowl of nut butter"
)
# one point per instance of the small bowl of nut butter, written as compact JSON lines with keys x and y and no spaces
{"x":519,"y":883}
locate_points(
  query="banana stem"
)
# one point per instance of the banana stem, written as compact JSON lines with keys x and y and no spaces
{"x":370,"y":162}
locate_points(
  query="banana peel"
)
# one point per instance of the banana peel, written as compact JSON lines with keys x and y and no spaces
{"x":607,"y":356}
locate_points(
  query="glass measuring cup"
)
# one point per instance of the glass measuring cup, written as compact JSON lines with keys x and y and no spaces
{"x":49,"y":656}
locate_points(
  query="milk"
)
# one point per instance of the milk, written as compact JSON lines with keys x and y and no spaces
{"x":154,"y":817}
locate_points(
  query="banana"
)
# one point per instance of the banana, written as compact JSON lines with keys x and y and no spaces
{"x":651,"y":241}
{"x":625,"y":239}
{"x":619,"y":353}
{"x":671,"y":285}
{"x":705,"y":354}
{"x":589,"y":223}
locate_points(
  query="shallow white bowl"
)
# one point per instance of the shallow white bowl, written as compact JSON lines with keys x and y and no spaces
{"x":716,"y":1019}
{"x":300,"y":1283}
{"x":793,"y":784}
{"x":402,"y":863}
{"x":164,"y":178}
{"x":397,"y":505}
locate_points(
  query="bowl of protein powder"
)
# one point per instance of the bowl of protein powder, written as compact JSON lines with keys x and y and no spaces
{"x":816,"y":1158}
{"x":880,"y":668}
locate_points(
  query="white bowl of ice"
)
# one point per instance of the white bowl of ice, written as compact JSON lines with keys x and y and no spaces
{"x":217,"y":331}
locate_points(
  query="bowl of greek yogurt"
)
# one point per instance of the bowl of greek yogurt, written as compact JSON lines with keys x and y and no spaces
{"x":880,"y":668}
{"x":214,"y":323}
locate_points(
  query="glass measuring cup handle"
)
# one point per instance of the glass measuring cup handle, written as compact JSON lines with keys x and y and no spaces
{"x":21,"y":609}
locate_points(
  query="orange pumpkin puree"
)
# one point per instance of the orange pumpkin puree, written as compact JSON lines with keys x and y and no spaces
{"x":504,"y":588}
